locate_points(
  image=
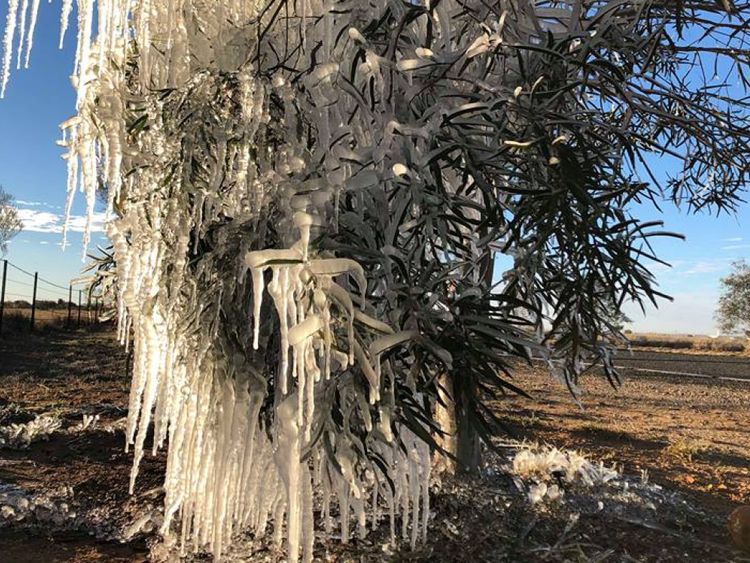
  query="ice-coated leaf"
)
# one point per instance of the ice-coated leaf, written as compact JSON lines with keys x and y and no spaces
{"x":305,"y":330}
{"x":371,"y":322}
{"x":391,"y":340}
{"x":264,"y":258}
{"x":338,"y":266}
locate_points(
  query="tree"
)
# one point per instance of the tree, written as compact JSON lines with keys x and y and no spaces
{"x":365,"y":164}
{"x":734,"y":304}
{"x":10,"y":224}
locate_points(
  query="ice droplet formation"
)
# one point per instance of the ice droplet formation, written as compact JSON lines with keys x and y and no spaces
{"x":176,"y":124}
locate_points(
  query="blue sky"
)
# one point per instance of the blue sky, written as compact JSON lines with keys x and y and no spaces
{"x":31,"y":169}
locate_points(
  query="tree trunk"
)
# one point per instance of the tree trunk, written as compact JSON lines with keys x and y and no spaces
{"x":445,"y":417}
{"x":469,"y":448}
{"x":458,"y":437}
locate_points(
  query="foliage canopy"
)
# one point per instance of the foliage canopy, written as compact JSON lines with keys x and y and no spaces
{"x":10,"y":224}
{"x":734,"y":303}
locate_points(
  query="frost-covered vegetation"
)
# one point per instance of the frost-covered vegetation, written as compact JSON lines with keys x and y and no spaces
{"x":549,"y":469}
{"x":21,"y":435}
{"x":363,"y":165}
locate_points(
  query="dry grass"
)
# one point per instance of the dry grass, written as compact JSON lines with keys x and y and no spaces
{"x":690,"y":343}
{"x":684,"y":449}
{"x":18,"y":320}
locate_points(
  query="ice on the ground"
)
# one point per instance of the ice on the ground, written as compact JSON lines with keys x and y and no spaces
{"x":18,"y":505}
{"x":20,"y":436}
{"x":548,"y":470}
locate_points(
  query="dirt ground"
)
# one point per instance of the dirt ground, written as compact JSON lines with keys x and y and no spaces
{"x":691,"y":437}
{"x":68,"y":374}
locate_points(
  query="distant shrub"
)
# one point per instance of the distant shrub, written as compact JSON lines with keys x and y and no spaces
{"x":720,"y":345}
{"x":662,"y":342}
{"x":689,"y":342}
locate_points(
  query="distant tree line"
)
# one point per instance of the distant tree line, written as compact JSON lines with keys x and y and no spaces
{"x":42,"y":305}
{"x":10,"y":224}
{"x":734,"y":304}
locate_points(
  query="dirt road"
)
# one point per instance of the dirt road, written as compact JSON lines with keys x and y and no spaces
{"x":693,"y":365}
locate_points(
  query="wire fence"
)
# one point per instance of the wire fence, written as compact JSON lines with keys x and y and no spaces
{"x":29,"y":300}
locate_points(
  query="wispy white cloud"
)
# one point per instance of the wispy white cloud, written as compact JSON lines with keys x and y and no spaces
{"x":706,"y":267}
{"x":735,"y":247}
{"x":732,"y":239}
{"x":35,"y":221}
{"x":658,"y":267}
{"x":38,"y":221}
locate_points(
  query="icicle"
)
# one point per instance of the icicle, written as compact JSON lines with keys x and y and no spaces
{"x":344,"y":504}
{"x":310,"y":391}
{"x":86,"y":22}
{"x":289,"y":461}
{"x":392,"y":517}
{"x":67,"y":8}
{"x":304,"y":330}
{"x":416,"y":494}
{"x":425,"y":469}
{"x":72,"y":180}
{"x":375,"y":519}
{"x":301,"y":375}
{"x":385,"y":424}
{"x":10,"y":30}
{"x":21,"y":31}
{"x":303,"y":221}
{"x":257,"y":276}
{"x":91,"y":185}
{"x":144,"y":41}
{"x":308,"y":522}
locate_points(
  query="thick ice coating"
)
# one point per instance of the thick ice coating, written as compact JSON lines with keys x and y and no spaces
{"x":208,"y":179}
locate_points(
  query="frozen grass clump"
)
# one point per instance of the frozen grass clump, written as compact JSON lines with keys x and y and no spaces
{"x":20,"y":436}
{"x":18,"y":505}
{"x":548,"y":472}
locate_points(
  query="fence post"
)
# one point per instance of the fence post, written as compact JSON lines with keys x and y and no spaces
{"x":2,"y":294}
{"x":70,"y":304}
{"x":80,"y":293}
{"x":33,"y":300}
